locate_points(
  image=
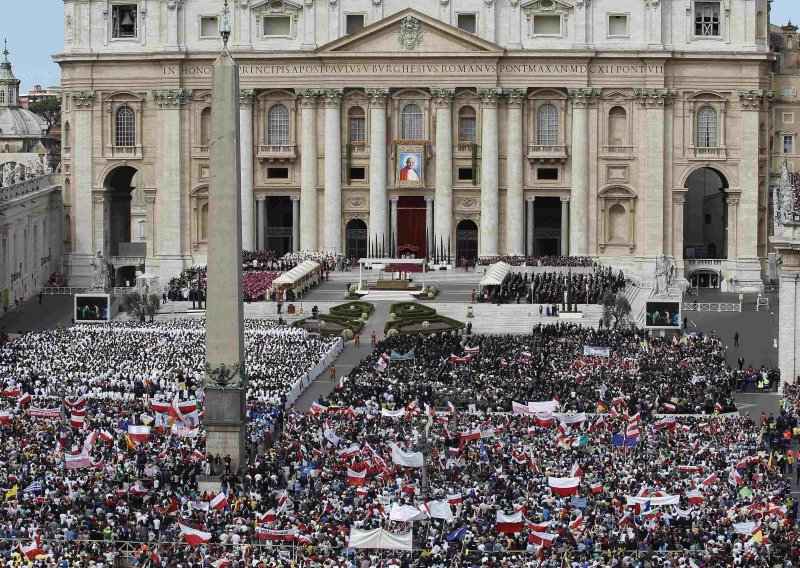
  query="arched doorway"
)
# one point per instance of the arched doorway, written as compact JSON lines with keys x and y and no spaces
{"x":119,"y":186}
{"x":705,"y":216}
{"x":466,"y":240}
{"x":355,"y":239}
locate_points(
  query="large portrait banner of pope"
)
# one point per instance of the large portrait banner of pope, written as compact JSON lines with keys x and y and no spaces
{"x":410,"y":167}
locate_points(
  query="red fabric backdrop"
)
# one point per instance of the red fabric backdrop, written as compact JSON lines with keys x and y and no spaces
{"x":411,"y":223}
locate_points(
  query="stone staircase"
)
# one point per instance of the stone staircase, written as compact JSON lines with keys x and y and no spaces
{"x":492,"y":319}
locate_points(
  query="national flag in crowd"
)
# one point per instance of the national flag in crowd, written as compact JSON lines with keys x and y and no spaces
{"x":24,"y":398}
{"x":6,"y":417}
{"x":194,"y":537}
{"x":450,"y":407}
{"x":32,"y":550}
{"x":382,"y":363}
{"x":670,"y":407}
{"x":542,"y":539}
{"x":11,"y":392}
{"x":356,"y":478}
{"x":317,"y":408}
{"x":508,"y":523}
{"x":219,"y":502}
{"x":137,"y":489}
{"x":161,"y":406}
{"x":454,"y":498}
{"x":456,"y":535}
{"x":710,"y":479}
{"x":694,"y":497}
{"x":667,"y":423}
{"x":34,"y":487}
{"x":564,"y":486}
{"x":577,"y":522}
{"x":138,"y":434}
{"x":456,"y":359}
{"x":222,"y":563}
{"x":77,"y":403}
{"x":77,"y":418}
{"x":596,"y":488}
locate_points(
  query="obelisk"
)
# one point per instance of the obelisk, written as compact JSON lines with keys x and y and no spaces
{"x":226,"y":379}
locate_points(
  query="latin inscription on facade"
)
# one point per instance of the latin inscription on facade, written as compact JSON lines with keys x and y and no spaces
{"x":502,"y":70}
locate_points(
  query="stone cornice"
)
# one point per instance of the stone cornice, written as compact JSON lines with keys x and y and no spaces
{"x":751,"y":99}
{"x":171,"y":98}
{"x":377,"y":96}
{"x":246,"y":98}
{"x":489,"y":97}
{"x":655,"y":97}
{"x":332,"y":97}
{"x":583,"y":96}
{"x":82,"y":99}
{"x":516,"y":97}
{"x":442,"y":96}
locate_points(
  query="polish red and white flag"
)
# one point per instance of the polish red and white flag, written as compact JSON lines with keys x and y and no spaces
{"x":194,"y":537}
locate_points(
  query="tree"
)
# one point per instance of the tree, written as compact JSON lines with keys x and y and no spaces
{"x":138,"y":305}
{"x":49,"y":109}
{"x":616,"y":310}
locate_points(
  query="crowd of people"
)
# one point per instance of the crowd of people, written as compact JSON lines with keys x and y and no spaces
{"x":518,"y":260}
{"x":550,"y":287}
{"x":569,"y":446}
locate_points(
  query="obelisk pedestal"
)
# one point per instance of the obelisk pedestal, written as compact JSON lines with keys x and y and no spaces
{"x":225,"y":384}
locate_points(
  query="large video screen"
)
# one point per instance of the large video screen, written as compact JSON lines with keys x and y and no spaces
{"x":662,"y":315}
{"x":92,"y":308}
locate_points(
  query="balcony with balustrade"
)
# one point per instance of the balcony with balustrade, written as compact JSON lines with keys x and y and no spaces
{"x":277,"y":152}
{"x":547,"y":152}
{"x":707,"y":153}
{"x":124,"y":152}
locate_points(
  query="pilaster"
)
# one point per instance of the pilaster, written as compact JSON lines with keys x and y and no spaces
{"x":428,"y":225}
{"x":565,"y":225}
{"x":83,"y":175}
{"x":308,"y":169}
{"x":581,"y":99}
{"x":443,"y":215}
{"x":378,"y":232}
{"x":654,"y":101}
{"x":169,"y":103}
{"x":295,"y":199}
{"x":490,"y":217}
{"x":529,"y":204}
{"x":515,"y":237}
{"x":246,"y":99}
{"x":333,"y":169}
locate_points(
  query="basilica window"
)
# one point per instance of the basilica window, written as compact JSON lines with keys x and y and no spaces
{"x":547,"y":125}
{"x":277,"y":26}
{"x":411,"y":122}
{"x":468,"y":23}
{"x":546,"y":25}
{"x":2,"y":96}
{"x":125,"y":127}
{"x":788,"y":143}
{"x":706,"y":127}
{"x":123,"y":21}
{"x":357,"y":125}
{"x":209,"y":27}
{"x":278,"y":125}
{"x":354,"y":23}
{"x":467,"y":125}
{"x":706,"y":19}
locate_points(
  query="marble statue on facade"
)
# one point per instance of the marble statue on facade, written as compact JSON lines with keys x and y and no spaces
{"x":664,"y":274}
{"x":99,"y":271}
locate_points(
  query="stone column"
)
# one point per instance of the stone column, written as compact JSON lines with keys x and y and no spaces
{"x":654,"y":101}
{"x":295,"y":222}
{"x":261,"y":241}
{"x":515,"y":238}
{"x":391,"y":246}
{"x":490,"y":217}
{"x":377,"y":167}
{"x":678,"y":201}
{"x":751,"y":105}
{"x":333,"y":170}
{"x":428,"y":224}
{"x":789,"y":300}
{"x":308,"y":170}
{"x":443,"y":220}
{"x":733,"y":227}
{"x":82,"y":153}
{"x":529,"y":226}
{"x":565,"y":225}
{"x":246,"y":97}
{"x":170,"y":101}
{"x":579,"y":206}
